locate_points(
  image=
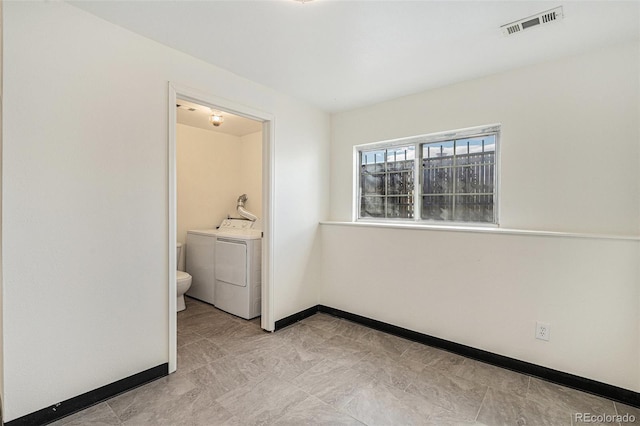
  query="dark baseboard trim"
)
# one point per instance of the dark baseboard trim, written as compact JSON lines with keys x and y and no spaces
{"x":615,"y":393}
{"x":282,"y":323}
{"x":86,"y":400}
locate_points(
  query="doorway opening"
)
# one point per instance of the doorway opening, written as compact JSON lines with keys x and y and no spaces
{"x":246,"y":144}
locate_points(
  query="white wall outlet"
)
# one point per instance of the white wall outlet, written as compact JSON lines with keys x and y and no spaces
{"x":543,"y":330}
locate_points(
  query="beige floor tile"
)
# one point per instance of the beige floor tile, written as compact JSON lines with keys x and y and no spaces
{"x":313,"y":411}
{"x":333,"y":383}
{"x":443,"y":361}
{"x":205,"y":320}
{"x":376,"y":404}
{"x":288,"y":361}
{"x":304,"y":336}
{"x":194,"y":307}
{"x":390,"y":369}
{"x":566,"y":399}
{"x":320,"y":320}
{"x":262,"y":402}
{"x":460,"y":396}
{"x":218,"y":328}
{"x":249,"y":338}
{"x":186,"y":336}
{"x":378,"y":340}
{"x":342,"y":350}
{"x":426,"y":408}
{"x":504,"y":408}
{"x":622,"y":410}
{"x":194,"y":408}
{"x":328,"y":371}
{"x":350,"y":329}
{"x":197,"y":354}
{"x":150,"y":397}
{"x":447,"y":418}
{"x":98,"y":415}
{"x":495,"y":377}
{"x":226,"y":374}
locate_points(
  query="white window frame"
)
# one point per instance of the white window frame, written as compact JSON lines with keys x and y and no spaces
{"x":417,"y":141}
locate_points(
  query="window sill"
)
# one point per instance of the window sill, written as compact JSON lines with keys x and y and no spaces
{"x":479,"y":229}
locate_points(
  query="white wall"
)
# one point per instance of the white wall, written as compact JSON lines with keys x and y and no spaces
{"x":570,"y":163}
{"x":213,"y":169}
{"x":1,"y":258}
{"x":299,"y":165}
{"x":85,"y":198}
{"x":569,"y":142}
{"x":487,"y":291}
{"x":250,"y":180}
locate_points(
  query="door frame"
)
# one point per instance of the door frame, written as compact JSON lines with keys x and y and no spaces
{"x":268,"y":190}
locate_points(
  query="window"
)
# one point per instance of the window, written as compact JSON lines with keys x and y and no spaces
{"x":456,"y":178}
{"x":386,"y":182}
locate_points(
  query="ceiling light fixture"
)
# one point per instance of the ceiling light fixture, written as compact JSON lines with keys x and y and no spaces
{"x":216,"y":118}
{"x":302,"y":1}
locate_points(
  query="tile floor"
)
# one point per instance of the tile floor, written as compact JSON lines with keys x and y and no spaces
{"x":329,"y":371}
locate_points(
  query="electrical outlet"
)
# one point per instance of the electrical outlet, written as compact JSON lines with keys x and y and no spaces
{"x":543,"y":330}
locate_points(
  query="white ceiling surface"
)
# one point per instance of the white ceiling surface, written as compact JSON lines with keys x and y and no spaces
{"x":232,"y":125}
{"x":344,"y":54}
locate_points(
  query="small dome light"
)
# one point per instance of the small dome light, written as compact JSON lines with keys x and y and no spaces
{"x":216,"y":118}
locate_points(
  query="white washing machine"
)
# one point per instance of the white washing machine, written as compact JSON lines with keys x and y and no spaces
{"x":200,"y":264}
{"x":238,"y":270}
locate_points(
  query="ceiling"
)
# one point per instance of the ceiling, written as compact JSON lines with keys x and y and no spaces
{"x":195,"y":115}
{"x":344,"y":54}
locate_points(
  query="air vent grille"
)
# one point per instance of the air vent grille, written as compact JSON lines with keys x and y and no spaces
{"x":513,"y":29}
{"x":533,"y":21}
{"x":548,"y":17}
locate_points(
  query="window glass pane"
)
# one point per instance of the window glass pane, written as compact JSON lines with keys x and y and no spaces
{"x":400,"y":183}
{"x":438,"y":154}
{"x":438,"y":207}
{"x":475,"y":150}
{"x":477,"y":178}
{"x":476,"y":145}
{"x":395,"y":166}
{"x":437,"y":149}
{"x":475,"y":158}
{"x":373,"y":183}
{"x":387,"y":172}
{"x":474,"y":208}
{"x":400,"y":207}
{"x":373,"y":168}
{"x":460,"y":167}
{"x":462,"y":147}
{"x":373,"y":157}
{"x":401,"y":158}
{"x":436,"y":180}
{"x":372,"y":207}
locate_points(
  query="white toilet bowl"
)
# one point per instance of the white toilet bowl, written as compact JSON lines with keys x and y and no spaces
{"x":183,"y":282}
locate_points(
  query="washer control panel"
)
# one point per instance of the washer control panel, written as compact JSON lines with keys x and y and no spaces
{"x":236,"y":224}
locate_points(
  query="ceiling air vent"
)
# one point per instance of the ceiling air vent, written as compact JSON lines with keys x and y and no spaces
{"x":531,"y":21}
{"x":179,"y":106}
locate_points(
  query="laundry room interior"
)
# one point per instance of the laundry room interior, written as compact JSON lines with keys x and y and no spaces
{"x":218,"y":189}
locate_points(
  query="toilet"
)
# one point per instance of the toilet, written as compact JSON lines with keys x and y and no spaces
{"x":183,"y":282}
